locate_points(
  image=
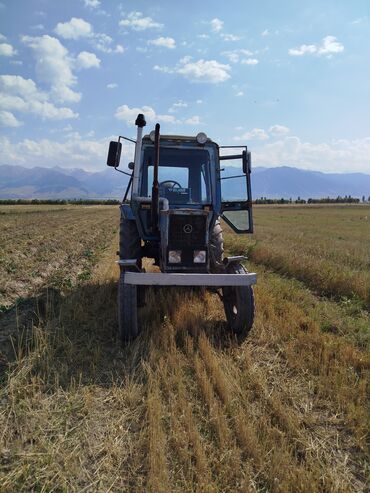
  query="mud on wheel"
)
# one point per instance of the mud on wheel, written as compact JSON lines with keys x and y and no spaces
{"x":239,"y":304}
{"x":216,"y":247}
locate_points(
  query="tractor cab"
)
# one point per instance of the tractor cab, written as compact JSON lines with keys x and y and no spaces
{"x":184,"y":172}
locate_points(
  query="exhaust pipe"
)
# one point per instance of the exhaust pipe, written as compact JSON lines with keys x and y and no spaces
{"x":155,"y":188}
{"x":140,"y":122}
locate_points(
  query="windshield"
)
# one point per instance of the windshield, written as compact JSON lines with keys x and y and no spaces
{"x":183,"y":175}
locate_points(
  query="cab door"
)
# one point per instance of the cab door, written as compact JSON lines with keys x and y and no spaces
{"x":236,"y":194}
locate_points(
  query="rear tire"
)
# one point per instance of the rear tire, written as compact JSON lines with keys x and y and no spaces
{"x":129,"y":248}
{"x":239,"y":304}
{"x":127,"y":311}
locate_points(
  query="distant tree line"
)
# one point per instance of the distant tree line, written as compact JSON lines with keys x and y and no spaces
{"x":59,"y":201}
{"x":339,"y":200}
{"x":347,"y":199}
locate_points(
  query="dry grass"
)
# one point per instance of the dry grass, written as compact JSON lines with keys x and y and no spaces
{"x":326,"y":247}
{"x":48,"y":245}
{"x":184,"y":407}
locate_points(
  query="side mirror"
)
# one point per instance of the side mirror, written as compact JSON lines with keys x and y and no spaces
{"x":114,"y":154}
{"x":247,"y":162}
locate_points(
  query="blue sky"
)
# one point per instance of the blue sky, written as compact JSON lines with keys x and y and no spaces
{"x":289,"y":79}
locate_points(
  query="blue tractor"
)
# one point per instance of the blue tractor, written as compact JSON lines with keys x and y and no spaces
{"x":173,"y":216}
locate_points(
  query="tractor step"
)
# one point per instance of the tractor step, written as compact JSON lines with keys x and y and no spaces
{"x":164,"y":279}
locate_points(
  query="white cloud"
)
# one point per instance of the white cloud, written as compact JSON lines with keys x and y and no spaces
{"x":86,"y":59}
{"x":166,"y":118}
{"x":103,"y":42}
{"x":7,"y":50}
{"x":164,"y":69}
{"x":185,"y":59}
{"x":163,"y":42}
{"x":239,"y":93}
{"x":230,"y":37}
{"x":203,"y":36}
{"x":54,"y":66}
{"x":302,"y":50}
{"x":205,"y":71}
{"x":137,"y":22}
{"x":38,"y":27}
{"x":17,"y":85}
{"x":71,"y":152}
{"x":334,"y":156}
{"x":266,"y":32}
{"x":92,"y":3}
{"x":201,"y":71}
{"x":261,"y":134}
{"x":250,"y":61}
{"x":199,"y":101}
{"x":342,"y":155}
{"x":112,"y":85}
{"x":67,"y":128}
{"x":279,"y":130}
{"x":359,"y":20}
{"x":2,"y":37}
{"x":74,"y":29}
{"x":234,"y":56}
{"x":22,"y":95}
{"x":194,"y":120}
{"x":7,"y":119}
{"x":245,"y":52}
{"x":178,"y":104}
{"x":328,"y":47}
{"x":254,"y":134}
{"x":217,"y":25}
{"x":129,"y":114}
{"x":78,"y":28}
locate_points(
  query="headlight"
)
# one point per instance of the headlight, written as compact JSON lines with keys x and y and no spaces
{"x":202,"y":138}
{"x":174,"y":256}
{"x":200,"y":256}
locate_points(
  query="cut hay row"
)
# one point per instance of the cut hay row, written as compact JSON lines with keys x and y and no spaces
{"x":326,"y":248}
{"x":184,"y":408}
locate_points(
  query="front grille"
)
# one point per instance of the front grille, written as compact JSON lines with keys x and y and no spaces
{"x":187,"y":231}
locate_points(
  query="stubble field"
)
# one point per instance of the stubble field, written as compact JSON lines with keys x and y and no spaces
{"x":184,"y":407}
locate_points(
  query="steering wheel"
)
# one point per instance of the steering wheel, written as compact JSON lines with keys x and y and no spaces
{"x":170,"y":184}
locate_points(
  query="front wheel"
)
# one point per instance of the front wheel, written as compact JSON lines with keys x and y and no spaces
{"x":127,"y":311}
{"x":128,"y":295}
{"x":238,"y":304}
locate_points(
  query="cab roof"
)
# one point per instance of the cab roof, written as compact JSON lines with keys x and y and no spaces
{"x":183,"y":138}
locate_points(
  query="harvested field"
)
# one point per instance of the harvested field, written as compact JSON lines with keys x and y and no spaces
{"x":50,"y":246}
{"x":184,"y":407}
{"x":326,"y":247}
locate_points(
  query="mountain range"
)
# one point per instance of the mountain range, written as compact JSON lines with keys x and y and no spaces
{"x":284,"y":181}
